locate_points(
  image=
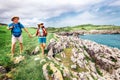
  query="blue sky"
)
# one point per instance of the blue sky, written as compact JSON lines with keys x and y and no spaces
{"x":59,"y":13}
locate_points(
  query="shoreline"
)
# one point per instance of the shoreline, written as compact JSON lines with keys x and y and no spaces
{"x":92,"y":32}
{"x":84,"y":32}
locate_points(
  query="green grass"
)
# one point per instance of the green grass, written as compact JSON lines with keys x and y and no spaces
{"x":27,"y":68}
{"x":98,"y":71}
{"x":84,"y":27}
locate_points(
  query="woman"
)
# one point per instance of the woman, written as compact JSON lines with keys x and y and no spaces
{"x":41,"y":33}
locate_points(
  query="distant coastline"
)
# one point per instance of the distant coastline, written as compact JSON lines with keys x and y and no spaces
{"x":84,"y":32}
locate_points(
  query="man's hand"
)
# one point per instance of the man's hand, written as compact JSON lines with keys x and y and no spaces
{"x":10,"y":28}
{"x":26,"y":30}
{"x":30,"y":35}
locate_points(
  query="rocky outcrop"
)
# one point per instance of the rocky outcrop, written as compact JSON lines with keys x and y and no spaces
{"x":95,"y":61}
{"x":19,"y":59}
{"x":2,"y":70}
{"x":108,"y":58}
{"x":35,"y":51}
{"x":82,"y":32}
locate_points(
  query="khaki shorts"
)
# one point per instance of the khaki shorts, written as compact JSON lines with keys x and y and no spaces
{"x":15,"y":39}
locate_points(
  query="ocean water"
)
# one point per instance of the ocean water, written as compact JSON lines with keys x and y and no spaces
{"x":112,"y":40}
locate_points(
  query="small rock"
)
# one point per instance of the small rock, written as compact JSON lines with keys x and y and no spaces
{"x":74,"y":78}
{"x":2,"y":70}
{"x":43,"y":60}
{"x":19,"y":59}
{"x":74,"y":66}
{"x":50,"y":53}
{"x":36,"y":50}
{"x":37,"y":58}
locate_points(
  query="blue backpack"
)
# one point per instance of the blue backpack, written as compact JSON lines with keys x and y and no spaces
{"x":16,"y":34}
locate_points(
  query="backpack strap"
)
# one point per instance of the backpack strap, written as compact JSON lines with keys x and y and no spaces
{"x":18,"y":26}
{"x":37,"y":32}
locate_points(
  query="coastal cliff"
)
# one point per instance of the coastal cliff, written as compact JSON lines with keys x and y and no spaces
{"x":79,"y":59}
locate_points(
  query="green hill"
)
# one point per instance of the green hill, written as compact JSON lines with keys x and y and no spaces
{"x":83,"y":27}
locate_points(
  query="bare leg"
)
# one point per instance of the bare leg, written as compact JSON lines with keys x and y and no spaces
{"x":42,"y":48}
{"x":21,"y":48}
{"x":12,"y":49}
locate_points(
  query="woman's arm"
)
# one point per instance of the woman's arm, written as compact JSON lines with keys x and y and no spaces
{"x":45,"y":30}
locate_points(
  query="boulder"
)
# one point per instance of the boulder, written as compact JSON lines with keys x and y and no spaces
{"x":74,"y":66}
{"x":2,"y":70}
{"x":50,"y":53}
{"x":18,"y":59}
{"x":35,"y":51}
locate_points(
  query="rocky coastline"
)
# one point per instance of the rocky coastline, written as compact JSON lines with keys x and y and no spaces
{"x":98,"y":62}
{"x":83,"y":32}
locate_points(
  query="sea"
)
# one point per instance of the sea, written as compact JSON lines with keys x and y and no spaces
{"x":112,"y":40}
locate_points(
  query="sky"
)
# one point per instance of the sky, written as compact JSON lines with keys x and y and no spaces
{"x":60,"y":13}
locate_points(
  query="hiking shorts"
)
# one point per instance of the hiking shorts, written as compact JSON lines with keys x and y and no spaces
{"x":15,"y":39}
{"x":42,"y":40}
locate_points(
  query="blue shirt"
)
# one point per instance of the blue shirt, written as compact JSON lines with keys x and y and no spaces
{"x":16,"y":27}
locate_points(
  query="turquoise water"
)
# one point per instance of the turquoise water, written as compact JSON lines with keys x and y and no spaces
{"x":112,"y":40}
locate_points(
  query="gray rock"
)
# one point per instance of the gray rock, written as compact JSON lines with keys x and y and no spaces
{"x":35,"y":51}
{"x":50,"y":53}
{"x":2,"y":70}
{"x":74,"y":66}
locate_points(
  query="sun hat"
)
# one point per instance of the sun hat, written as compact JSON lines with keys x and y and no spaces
{"x":14,"y":18}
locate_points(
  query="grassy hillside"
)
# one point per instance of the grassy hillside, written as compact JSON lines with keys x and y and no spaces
{"x":26,"y":69}
{"x":84,"y":27}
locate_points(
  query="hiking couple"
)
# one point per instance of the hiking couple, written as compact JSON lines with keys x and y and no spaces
{"x":16,"y":31}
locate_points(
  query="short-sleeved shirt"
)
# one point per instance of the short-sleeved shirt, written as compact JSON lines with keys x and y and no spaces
{"x":16,"y":27}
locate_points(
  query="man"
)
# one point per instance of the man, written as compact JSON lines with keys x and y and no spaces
{"x":16,"y":31}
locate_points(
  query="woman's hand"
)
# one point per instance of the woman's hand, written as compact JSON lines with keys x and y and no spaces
{"x":33,"y":35}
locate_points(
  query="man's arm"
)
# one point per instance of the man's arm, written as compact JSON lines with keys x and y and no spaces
{"x":26,"y":30}
{"x":10,"y":28}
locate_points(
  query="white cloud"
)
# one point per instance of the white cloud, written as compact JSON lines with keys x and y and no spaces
{"x":115,"y":3}
{"x":32,"y":12}
{"x":85,"y":18}
{"x":41,"y":9}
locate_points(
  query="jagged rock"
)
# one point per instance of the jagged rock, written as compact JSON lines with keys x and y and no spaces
{"x":117,"y":74}
{"x":43,"y":60}
{"x":66,"y":72}
{"x":50,"y":53}
{"x":73,"y":59}
{"x":58,"y":59}
{"x":45,"y":72}
{"x":35,"y":51}
{"x":18,"y":59}
{"x":74,"y":51}
{"x":37,"y":58}
{"x":74,"y":66}
{"x":56,"y":73}
{"x":52,"y":40}
{"x":74,"y":78}
{"x":87,"y":54}
{"x":2,"y":70}
{"x":62,"y":54}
